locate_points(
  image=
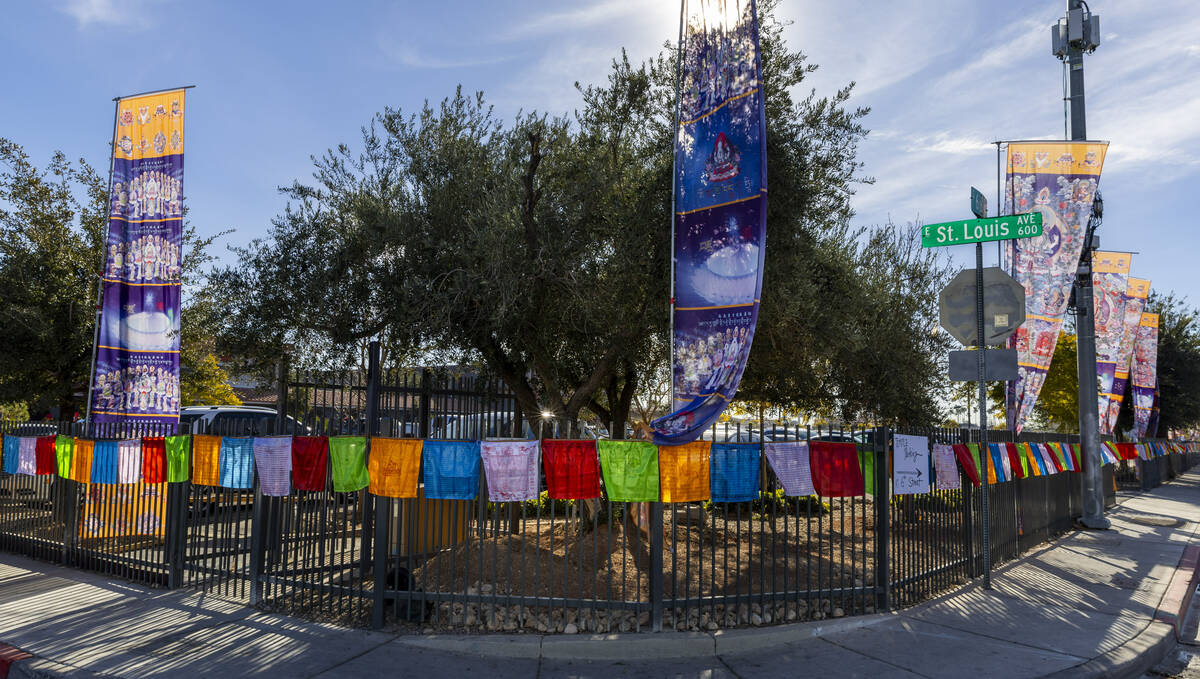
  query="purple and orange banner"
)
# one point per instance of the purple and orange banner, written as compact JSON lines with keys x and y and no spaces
{"x":1059,"y":180}
{"x":720,"y":212}
{"x":1110,"y":281}
{"x":1145,"y":372}
{"x":136,"y":377}
{"x":1135,"y":301}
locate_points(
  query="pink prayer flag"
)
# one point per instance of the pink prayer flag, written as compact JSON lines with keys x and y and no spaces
{"x":273,"y":457}
{"x":27,"y":459}
{"x":512,"y":470}
{"x":789,"y":459}
{"x":129,"y":461}
{"x":946,"y":467}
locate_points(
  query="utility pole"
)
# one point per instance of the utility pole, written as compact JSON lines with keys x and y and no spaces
{"x":1074,"y":35}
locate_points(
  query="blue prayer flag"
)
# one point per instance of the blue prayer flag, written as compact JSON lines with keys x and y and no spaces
{"x":451,"y":469}
{"x":734,"y":471}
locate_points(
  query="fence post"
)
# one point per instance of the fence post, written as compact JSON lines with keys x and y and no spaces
{"x":424,"y":407}
{"x":264,"y":518}
{"x":883,"y":502}
{"x":656,"y":566}
{"x":968,"y":495}
{"x":376,"y":510}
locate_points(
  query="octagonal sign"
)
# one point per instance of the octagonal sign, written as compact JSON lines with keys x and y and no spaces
{"x":1003,"y":306}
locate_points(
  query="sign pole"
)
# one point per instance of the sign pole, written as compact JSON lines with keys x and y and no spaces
{"x":983,"y":433}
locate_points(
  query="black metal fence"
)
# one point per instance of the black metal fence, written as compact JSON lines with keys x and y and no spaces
{"x":541,"y":565}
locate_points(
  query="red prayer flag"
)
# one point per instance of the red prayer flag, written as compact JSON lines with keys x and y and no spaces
{"x":572,"y":469}
{"x":963,"y":453}
{"x":310,"y":462}
{"x":1015,"y":459}
{"x":154,"y":459}
{"x":1128,"y":451}
{"x":44,"y":455}
{"x":835,"y":469}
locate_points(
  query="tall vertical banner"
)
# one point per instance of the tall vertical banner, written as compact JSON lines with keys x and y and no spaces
{"x":1145,"y":372}
{"x":136,"y":376}
{"x":720,"y":211}
{"x":1059,"y":180}
{"x":1135,"y":301}
{"x":1110,"y":282}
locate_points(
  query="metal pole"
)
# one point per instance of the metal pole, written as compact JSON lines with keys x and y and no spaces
{"x":983,"y":432}
{"x":87,"y":412}
{"x":1089,"y":406}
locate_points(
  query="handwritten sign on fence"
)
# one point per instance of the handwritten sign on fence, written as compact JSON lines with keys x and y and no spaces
{"x":910,"y":464}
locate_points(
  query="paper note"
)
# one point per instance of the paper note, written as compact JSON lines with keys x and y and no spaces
{"x":910,"y":464}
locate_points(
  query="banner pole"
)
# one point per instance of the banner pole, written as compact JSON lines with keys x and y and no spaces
{"x":87,"y":417}
{"x":674,"y":180}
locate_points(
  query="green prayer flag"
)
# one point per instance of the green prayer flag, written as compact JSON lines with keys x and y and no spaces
{"x":64,"y":452}
{"x":179,"y":457}
{"x":866,"y":460}
{"x":349,"y":457}
{"x":630,"y":470}
{"x":1023,"y":449}
{"x":974,"y":448}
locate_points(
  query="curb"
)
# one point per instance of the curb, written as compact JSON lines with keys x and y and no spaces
{"x":1136,"y":656}
{"x":638,"y":646}
{"x":10,"y":655}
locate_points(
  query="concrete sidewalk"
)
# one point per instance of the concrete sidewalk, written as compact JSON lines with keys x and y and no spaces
{"x":1089,"y":604}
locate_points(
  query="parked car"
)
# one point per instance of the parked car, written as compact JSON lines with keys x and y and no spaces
{"x":838,"y":437}
{"x":247,"y":420}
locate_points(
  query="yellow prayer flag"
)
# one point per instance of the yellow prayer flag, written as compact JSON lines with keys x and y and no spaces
{"x":206,"y":460}
{"x":684,"y":472}
{"x":393,"y":467}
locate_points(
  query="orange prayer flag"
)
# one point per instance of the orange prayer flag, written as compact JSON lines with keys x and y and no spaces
{"x":393,"y":467}
{"x":206,"y":460}
{"x":684,"y":472}
{"x":81,"y":461}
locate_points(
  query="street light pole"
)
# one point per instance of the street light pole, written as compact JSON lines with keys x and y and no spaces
{"x":1082,"y":32}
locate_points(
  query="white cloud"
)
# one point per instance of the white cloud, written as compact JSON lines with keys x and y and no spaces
{"x":410,"y":56}
{"x":127,"y":13}
{"x":660,"y":15}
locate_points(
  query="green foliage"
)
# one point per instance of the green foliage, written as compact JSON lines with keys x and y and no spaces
{"x":1178,"y":362}
{"x":14,"y":412}
{"x":775,"y":503}
{"x":206,"y":383}
{"x":1057,"y":407}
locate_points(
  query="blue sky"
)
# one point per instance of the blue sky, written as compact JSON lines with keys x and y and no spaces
{"x":278,"y":82}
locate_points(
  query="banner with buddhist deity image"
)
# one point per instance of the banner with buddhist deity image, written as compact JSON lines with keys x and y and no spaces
{"x":720,"y":212}
{"x":1110,"y":282}
{"x":1136,"y":294}
{"x":1145,"y":372}
{"x":1058,"y":179}
{"x":136,"y":376}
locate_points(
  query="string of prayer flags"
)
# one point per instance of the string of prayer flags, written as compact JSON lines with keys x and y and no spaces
{"x":630,"y":470}
{"x":12,"y":454}
{"x":27,"y":456}
{"x":179,"y":457}
{"x":835,"y":469}
{"x":129,"y":461}
{"x":104,"y":462}
{"x":511,"y":468}
{"x":1030,"y":460}
{"x":154,"y":459}
{"x":945,"y":469}
{"x":44,"y":454}
{"x":237,"y":462}
{"x":310,"y":462}
{"x":684,"y":472}
{"x":1047,"y":458}
{"x":273,"y":460}
{"x":572,"y":469}
{"x":206,"y":458}
{"x":969,"y":463}
{"x":394,"y":467}
{"x":790,"y":462}
{"x":1064,"y":454}
{"x":64,"y":449}
{"x":735,"y":471}
{"x":451,"y":470}
{"x":348,"y":455}
{"x":81,"y":460}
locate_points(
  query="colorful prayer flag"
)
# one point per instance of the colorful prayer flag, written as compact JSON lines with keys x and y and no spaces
{"x":572,"y":469}
{"x":1014,"y":460}
{"x":310,"y":462}
{"x":969,"y":463}
{"x":511,"y":468}
{"x":129,"y":461}
{"x":348,"y":456}
{"x":684,"y":472}
{"x":1136,"y":295}
{"x":790,"y":460}
{"x":206,"y":460}
{"x":1110,"y":283}
{"x":630,"y":470}
{"x":154,"y":459}
{"x":64,"y":449}
{"x":948,"y":477}
{"x":81,"y":460}
{"x":734,"y":471}
{"x":273,"y":460}
{"x":27,"y":456}
{"x":45,"y":455}
{"x":394,"y":467}
{"x":179,"y":457}
{"x":236,"y":459}
{"x":104,"y":462}
{"x":12,"y":454}
{"x":1145,"y":372}
{"x":451,"y":470}
{"x":835,"y":469}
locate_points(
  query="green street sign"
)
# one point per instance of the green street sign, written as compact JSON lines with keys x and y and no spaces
{"x":981,"y":230}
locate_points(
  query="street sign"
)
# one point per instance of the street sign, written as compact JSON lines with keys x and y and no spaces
{"x":981,"y":230}
{"x":978,"y":203}
{"x":1003,"y":306}
{"x":999,"y":365}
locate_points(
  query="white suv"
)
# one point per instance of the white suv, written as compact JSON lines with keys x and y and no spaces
{"x":234,"y":420}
